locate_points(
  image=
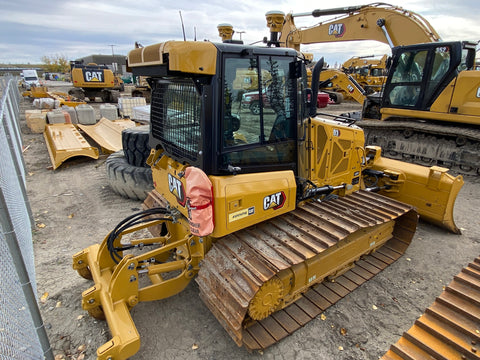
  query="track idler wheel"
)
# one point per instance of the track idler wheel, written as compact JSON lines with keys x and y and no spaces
{"x":266,"y":300}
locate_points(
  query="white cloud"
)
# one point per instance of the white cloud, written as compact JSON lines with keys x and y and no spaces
{"x":29,"y":30}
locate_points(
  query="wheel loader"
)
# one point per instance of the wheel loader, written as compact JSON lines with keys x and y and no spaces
{"x":277,"y":215}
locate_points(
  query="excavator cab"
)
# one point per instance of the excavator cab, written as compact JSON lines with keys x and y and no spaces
{"x":420,"y":75}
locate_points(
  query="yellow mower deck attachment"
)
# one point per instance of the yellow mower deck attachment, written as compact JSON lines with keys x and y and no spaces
{"x":64,"y":141}
{"x":108,"y":133}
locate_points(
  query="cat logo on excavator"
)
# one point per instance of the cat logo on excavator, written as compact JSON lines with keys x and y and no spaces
{"x":274,"y":201}
{"x":336,"y":30}
{"x":93,"y":76}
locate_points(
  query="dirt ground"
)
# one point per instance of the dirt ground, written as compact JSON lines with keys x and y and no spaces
{"x":74,"y":207}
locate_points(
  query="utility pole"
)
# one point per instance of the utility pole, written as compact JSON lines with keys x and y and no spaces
{"x":240,"y":32}
{"x":114,"y":64}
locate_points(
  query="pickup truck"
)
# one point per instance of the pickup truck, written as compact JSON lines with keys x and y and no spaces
{"x":250,"y":100}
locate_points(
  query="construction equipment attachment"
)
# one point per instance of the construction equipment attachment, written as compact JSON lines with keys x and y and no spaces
{"x":64,"y":141}
{"x":432,"y":190}
{"x":65,"y":99}
{"x":108,"y":133}
{"x":450,"y":327}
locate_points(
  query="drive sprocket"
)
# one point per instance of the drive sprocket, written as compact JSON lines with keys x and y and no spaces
{"x":266,"y":300}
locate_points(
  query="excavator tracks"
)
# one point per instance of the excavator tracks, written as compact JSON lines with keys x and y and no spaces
{"x":450,"y":327}
{"x":426,"y":143}
{"x":238,"y":265}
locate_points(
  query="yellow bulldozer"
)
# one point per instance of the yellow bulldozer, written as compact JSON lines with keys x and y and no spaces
{"x":264,"y":210}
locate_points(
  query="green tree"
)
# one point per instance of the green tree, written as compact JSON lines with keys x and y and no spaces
{"x":56,"y":64}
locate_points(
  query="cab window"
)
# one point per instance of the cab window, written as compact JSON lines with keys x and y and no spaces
{"x":407,"y":78}
{"x":258,"y":121}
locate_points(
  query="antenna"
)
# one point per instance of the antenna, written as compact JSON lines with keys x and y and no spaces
{"x":195,"y":33}
{"x":183,"y":27}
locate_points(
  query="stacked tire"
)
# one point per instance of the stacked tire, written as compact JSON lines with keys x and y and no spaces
{"x":127,"y":171}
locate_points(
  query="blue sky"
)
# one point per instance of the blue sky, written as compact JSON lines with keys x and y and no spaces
{"x":31,"y":29}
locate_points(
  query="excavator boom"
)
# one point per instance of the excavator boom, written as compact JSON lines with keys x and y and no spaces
{"x":385,"y":23}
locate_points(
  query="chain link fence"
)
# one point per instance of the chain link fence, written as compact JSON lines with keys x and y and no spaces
{"x":22,"y":334}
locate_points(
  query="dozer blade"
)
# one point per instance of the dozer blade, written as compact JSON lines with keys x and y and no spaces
{"x":450,"y":327}
{"x":351,"y":238}
{"x":108,"y":133}
{"x":64,"y":141}
{"x":431,"y":190}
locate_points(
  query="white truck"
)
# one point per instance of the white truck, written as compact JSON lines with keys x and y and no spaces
{"x":30,"y":78}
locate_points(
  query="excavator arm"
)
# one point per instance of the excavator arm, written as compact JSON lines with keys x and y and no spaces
{"x":385,"y":23}
{"x":341,"y":81}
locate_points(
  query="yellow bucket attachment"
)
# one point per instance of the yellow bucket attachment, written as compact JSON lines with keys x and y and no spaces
{"x":108,"y":133}
{"x":430,"y":189}
{"x":64,"y":141}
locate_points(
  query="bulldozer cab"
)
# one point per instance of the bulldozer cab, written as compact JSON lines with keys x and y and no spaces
{"x":244,"y":124}
{"x":420,"y":73}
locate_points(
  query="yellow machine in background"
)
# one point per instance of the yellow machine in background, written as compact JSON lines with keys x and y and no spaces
{"x":92,"y":80}
{"x":368,"y":72}
{"x":340,"y":85}
{"x":263,"y":209}
{"x":389,"y":24}
{"x":431,"y":99}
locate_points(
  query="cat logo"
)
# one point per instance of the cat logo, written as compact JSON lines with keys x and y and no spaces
{"x":336,"y":30}
{"x":274,"y":201}
{"x":93,"y":75}
{"x":176,"y":188}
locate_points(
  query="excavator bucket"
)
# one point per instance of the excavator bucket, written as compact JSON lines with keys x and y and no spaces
{"x":64,"y":141}
{"x":108,"y":133}
{"x":430,"y":189}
